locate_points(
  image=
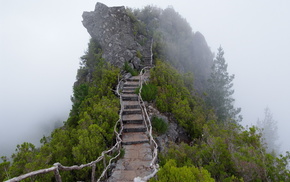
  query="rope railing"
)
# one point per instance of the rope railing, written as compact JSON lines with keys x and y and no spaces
{"x":57,"y":166}
{"x":153,"y":164}
{"x":118,"y":134}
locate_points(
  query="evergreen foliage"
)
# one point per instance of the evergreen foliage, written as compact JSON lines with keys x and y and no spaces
{"x":230,"y":154}
{"x":174,"y":97}
{"x":4,"y":167}
{"x":87,"y":132}
{"x":171,"y":173}
{"x":269,"y":130}
{"x":220,"y":91}
{"x":219,"y":148}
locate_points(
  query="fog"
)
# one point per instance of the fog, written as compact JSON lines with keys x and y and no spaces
{"x":41,"y":42}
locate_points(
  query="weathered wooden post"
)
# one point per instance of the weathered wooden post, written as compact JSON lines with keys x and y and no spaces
{"x":93,"y":172}
{"x":56,"y":173}
{"x":105,"y":165}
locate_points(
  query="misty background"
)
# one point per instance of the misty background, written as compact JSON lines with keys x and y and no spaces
{"x":41,"y":42}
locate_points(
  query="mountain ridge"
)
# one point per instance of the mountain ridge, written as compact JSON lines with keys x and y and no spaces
{"x":195,"y":142}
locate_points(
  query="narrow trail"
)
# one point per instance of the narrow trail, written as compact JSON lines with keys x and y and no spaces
{"x":134,"y":135}
{"x":138,"y":152}
{"x":138,"y":163}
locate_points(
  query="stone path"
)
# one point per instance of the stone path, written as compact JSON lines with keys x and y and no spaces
{"x":138,"y":153}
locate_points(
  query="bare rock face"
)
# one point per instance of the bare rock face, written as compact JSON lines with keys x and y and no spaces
{"x":113,"y":29}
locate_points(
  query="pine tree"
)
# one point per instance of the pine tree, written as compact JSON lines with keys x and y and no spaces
{"x":269,"y":130}
{"x":220,"y":91}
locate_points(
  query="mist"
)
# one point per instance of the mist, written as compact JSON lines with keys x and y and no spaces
{"x":41,"y":42}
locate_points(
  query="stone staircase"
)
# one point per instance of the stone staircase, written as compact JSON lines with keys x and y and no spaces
{"x":139,"y":160}
{"x":147,"y":62}
{"x":147,"y":54}
{"x":135,"y":142}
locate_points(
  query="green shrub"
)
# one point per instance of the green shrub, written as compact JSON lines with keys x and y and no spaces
{"x":159,"y":125}
{"x":129,"y":69}
{"x":149,"y":92}
{"x":171,"y":173}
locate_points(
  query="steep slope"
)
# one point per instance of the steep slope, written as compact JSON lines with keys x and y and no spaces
{"x":195,"y":145}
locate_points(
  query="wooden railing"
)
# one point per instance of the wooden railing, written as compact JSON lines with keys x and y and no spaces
{"x":148,"y":125}
{"x":57,"y":166}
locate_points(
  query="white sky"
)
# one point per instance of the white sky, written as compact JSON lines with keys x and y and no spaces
{"x":41,"y":42}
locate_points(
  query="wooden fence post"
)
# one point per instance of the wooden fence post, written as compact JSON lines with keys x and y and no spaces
{"x":57,"y":175}
{"x":93,"y":172}
{"x":105,"y":165}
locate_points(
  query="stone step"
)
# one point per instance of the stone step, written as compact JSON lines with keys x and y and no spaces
{"x":132,"y":111}
{"x":131,"y":104}
{"x":134,"y":138}
{"x":129,"y":91}
{"x":131,"y":84}
{"x":129,"y":97}
{"x":135,"y":142}
{"x":129,"y":88}
{"x":132,"y":119}
{"x":134,"y":79}
{"x":134,"y":128}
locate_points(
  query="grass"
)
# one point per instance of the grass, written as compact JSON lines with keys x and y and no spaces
{"x":159,"y":125}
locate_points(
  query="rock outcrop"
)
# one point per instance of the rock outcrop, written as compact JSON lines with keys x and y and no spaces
{"x":114,"y":30}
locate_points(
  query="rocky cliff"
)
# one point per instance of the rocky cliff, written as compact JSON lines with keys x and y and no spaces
{"x":113,"y":28}
{"x":124,"y":37}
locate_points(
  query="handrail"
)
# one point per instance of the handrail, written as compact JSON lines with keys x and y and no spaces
{"x":118,"y":138}
{"x":58,"y":166}
{"x":149,"y":129}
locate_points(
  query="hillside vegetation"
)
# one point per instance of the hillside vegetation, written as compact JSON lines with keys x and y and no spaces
{"x":88,"y":130}
{"x":188,"y":84}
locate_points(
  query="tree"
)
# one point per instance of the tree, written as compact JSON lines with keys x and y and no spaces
{"x":269,"y":130}
{"x":220,"y":91}
{"x":4,"y":167}
{"x":24,"y":155}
